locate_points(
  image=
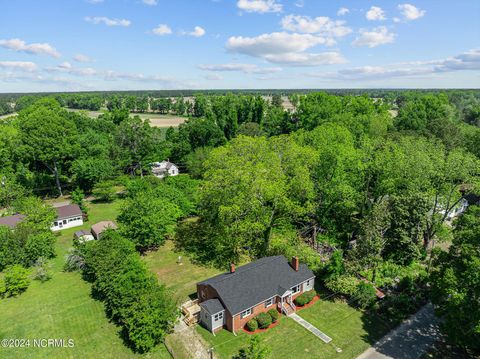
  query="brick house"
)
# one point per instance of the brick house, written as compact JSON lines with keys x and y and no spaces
{"x":231,"y":299}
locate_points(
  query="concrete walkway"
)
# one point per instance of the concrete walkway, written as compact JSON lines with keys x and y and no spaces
{"x":310,"y":328}
{"x":408,"y":341}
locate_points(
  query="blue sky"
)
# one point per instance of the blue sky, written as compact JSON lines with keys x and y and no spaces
{"x":58,"y":45}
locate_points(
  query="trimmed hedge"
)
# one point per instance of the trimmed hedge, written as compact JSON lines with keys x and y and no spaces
{"x":264,"y":320}
{"x":252,"y":325}
{"x":274,"y":314}
{"x":305,"y":298}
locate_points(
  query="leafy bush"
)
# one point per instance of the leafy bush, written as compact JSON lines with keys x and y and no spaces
{"x":274,"y":314}
{"x":42,"y":270}
{"x":104,"y":191}
{"x":365,"y":294}
{"x":252,"y":324}
{"x":344,"y":284}
{"x":264,"y":320}
{"x":16,"y":280}
{"x":305,"y":298}
{"x":74,"y":261}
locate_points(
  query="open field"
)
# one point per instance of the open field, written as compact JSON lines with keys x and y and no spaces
{"x":63,"y":308}
{"x":351,"y":330}
{"x":156,"y":119}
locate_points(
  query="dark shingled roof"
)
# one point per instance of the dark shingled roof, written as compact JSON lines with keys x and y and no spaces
{"x":68,"y":211}
{"x":212,"y":306}
{"x":257,"y":281}
{"x":11,"y":221}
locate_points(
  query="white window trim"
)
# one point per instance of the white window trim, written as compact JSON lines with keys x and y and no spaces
{"x":269,"y":302}
{"x":218,"y":316}
{"x":295,"y":289}
{"x":246,"y":313}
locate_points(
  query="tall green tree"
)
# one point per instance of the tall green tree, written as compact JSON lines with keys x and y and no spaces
{"x":456,"y":284}
{"x":49,"y":136}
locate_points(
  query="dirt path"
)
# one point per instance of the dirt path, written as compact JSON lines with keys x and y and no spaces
{"x":186,"y":343}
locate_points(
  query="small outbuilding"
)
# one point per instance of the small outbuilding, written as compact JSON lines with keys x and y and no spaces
{"x":99,"y":228}
{"x":67,"y":217}
{"x":83,"y":236}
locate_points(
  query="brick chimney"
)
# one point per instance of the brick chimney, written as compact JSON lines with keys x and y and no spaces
{"x":232,"y":267}
{"x":295,"y":263}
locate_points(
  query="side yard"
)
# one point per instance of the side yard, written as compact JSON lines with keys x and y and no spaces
{"x":62,"y":308}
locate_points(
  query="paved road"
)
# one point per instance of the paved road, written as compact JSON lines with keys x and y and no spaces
{"x":410,"y":340}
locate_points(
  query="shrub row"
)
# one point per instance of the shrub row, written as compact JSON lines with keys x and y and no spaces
{"x":305,"y":298}
{"x":263,"y":320}
{"x":132,"y":296}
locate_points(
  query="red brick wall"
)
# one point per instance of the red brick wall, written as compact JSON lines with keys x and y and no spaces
{"x":237,"y":323}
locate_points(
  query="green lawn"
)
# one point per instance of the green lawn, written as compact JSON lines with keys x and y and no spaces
{"x":63,"y":308}
{"x":181,"y":279}
{"x":345,"y":325}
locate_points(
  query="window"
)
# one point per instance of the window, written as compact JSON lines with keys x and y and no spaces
{"x":268,"y":302}
{"x":218,"y":316}
{"x":295,"y":289}
{"x":55,"y":224}
{"x":246,"y":313}
{"x":308,"y":283}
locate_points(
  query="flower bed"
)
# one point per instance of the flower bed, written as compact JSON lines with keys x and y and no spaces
{"x":317,"y":297}
{"x":262,"y":322}
{"x":261,"y":330}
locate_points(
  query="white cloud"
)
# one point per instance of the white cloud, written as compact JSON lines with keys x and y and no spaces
{"x":213,"y":77}
{"x":245,"y":68}
{"x":320,"y":25}
{"x":197,"y":32}
{"x":375,"y":13}
{"x":284,"y":48}
{"x":82,"y":58}
{"x":300,"y":3}
{"x":162,"y":29}
{"x":35,"y":48}
{"x":66,"y":67}
{"x":410,"y":12}
{"x":107,"y":21}
{"x":19,"y":65}
{"x":469,"y":60}
{"x":260,"y":6}
{"x":377,"y":36}
{"x":150,"y":2}
{"x":343,"y":11}
{"x":273,"y":43}
{"x":307,"y":59}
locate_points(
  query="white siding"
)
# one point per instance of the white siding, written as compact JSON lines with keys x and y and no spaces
{"x":308,"y":285}
{"x":67,"y":223}
{"x":220,"y":321}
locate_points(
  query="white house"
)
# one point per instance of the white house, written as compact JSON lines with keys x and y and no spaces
{"x":67,"y":217}
{"x":164,"y":168}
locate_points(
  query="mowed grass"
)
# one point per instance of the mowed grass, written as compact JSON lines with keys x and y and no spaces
{"x":180,"y":279}
{"x":344,"y":324}
{"x":63,"y":308}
